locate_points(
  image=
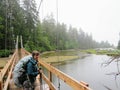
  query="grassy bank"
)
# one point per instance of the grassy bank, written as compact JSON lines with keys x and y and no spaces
{"x":51,"y":56}
{"x":102,"y":52}
{"x":59,"y":58}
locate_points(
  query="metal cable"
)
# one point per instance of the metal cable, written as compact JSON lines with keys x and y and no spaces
{"x":40,"y":5}
{"x":57,"y":41}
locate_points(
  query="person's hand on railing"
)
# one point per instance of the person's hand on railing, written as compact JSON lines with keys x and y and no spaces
{"x":40,"y":70}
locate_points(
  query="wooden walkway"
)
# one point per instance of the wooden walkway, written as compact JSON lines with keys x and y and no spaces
{"x":38,"y":86}
{"x":6,"y":81}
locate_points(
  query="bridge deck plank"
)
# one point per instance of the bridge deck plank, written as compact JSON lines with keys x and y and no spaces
{"x":12,"y":86}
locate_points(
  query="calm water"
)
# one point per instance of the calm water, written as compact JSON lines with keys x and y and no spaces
{"x":90,"y":70}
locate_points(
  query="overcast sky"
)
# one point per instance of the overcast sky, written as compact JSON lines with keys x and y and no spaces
{"x":101,"y":18}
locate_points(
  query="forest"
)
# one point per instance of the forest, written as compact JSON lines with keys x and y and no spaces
{"x":22,"y":18}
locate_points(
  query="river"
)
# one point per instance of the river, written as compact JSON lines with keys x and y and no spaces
{"x":91,"y":71}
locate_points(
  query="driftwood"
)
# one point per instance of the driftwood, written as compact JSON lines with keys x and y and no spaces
{"x":116,"y":59}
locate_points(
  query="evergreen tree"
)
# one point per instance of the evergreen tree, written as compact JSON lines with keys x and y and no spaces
{"x":31,"y":20}
{"x":3,"y":7}
{"x":118,"y":47}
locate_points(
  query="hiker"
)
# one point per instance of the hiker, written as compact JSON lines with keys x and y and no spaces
{"x":26,"y":70}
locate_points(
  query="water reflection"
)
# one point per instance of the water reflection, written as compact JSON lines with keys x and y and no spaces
{"x":89,"y":69}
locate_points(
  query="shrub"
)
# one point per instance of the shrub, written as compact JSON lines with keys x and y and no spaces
{"x":4,"y":53}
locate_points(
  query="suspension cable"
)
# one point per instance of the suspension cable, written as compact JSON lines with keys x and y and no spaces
{"x":40,"y":5}
{"x":57,"y":40}
{"x":6,"y":7}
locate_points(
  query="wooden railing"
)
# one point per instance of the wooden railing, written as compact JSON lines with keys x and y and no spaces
{"x":67,"y":79}
{"x":6,"y":72}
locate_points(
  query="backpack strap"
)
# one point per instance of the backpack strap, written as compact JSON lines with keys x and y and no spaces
{"x":25,"y":65}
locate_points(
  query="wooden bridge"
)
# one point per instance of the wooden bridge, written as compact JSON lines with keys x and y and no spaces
{"x":6,"y":81}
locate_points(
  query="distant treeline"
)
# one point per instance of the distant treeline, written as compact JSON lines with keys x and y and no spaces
{"x":21,"y":18}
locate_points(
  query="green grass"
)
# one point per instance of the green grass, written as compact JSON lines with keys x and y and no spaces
{"x":59,"y":58}
{"x":55,"y":56}
{"x":89,"y":51}
{"x":102,"y":52}
{"x":61,"y":53}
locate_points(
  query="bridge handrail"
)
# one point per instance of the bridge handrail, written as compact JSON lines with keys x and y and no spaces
{"x":6,"y":72}
{"x":67,"y":79}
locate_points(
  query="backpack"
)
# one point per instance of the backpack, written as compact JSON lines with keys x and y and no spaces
{"x":19,"y":72}
{"x":23,"y":76}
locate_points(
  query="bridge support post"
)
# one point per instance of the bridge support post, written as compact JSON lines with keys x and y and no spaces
{"x":1,"y":81}
{"x":50,"y":77}
{"x":84,"y":83}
